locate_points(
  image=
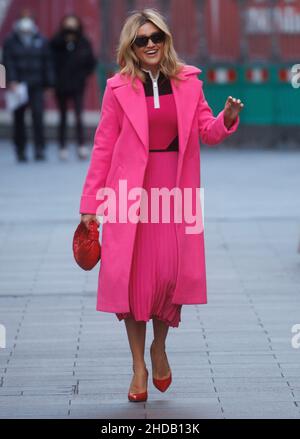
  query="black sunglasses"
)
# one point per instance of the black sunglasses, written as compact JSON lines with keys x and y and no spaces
{"x":156,"y":37}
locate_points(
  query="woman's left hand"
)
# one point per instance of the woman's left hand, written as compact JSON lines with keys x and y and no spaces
{"x":231,"y":110}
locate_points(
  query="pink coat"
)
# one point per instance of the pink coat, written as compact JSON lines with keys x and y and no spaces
{"x":121,"y":152}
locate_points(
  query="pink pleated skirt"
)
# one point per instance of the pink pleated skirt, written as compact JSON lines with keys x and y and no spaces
{"x":155,"y":257}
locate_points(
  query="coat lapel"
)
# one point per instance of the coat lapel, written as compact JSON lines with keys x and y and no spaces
{"x":134,"y":105}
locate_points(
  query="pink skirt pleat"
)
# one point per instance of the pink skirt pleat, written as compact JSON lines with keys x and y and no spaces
{"x":155,"y":257}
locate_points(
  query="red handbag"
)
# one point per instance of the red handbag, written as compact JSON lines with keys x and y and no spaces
{"x":86,"y":245}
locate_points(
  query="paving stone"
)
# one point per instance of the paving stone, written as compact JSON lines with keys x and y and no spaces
{"x":231,"y":357}
{"x":261,"y":410}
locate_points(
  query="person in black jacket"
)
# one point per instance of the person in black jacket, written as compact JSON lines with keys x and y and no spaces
{"x":74,"y":62}
{"x":27,"y":58}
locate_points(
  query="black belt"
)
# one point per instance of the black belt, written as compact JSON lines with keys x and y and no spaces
{"x":172,"y":147}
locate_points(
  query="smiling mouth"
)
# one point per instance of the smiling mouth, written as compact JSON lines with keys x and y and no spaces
{"x":151,"y":54}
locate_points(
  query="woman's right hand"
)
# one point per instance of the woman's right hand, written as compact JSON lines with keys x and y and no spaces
{"x":86,"y":218}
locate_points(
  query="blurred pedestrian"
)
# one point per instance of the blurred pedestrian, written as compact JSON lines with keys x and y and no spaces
{"x":74,"y":62}
{"x":27,"y":59}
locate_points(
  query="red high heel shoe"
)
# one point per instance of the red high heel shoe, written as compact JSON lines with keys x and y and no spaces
{"x":138,"y":397}
{"x":162,"y":384}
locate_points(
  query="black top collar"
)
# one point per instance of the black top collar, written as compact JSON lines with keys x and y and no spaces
{"x":164,"y":84}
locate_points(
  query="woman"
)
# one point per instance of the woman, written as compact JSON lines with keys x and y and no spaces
{"x":74,"y":62}
{"x":148,"y":137}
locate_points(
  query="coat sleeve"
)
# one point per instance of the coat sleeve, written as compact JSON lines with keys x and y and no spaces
{"x":212,"y":130}
{"x":9,"y":61}
{"x":106,"y":134}
{"x":90,"y":59}
{"x":48,"y":65}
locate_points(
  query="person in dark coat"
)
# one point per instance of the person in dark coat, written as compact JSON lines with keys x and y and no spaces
{"x":74,"y":62}
{"x":27,"y":58}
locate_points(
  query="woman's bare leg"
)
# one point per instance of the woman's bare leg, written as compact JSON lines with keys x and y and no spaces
{"x":136,"y":332}
{"x":160,"y":364}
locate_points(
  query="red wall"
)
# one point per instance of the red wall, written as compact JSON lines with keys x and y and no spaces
{"x":222,"y":29}
{"x":272,"y":29}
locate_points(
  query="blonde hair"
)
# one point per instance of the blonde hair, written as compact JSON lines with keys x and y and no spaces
{"x":129,"y":64}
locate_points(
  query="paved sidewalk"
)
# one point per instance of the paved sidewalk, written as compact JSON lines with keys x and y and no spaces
{"x":231,"y":358}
